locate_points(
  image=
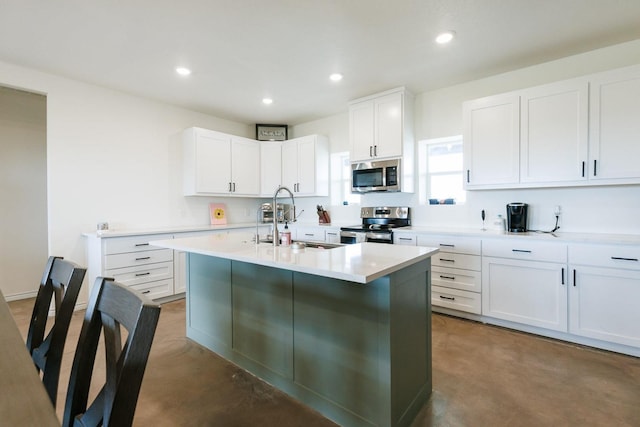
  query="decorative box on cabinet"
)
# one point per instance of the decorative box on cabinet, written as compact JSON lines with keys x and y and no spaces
{"x":305,"y":165}
{"x":525,"y":281}
{"x":133,"y":262}
{"x":455,"y":272}
{"x":604,"y":292}
{"x":215,"y":163}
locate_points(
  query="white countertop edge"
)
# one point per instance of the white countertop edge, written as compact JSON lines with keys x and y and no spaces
{"x":165,"y":230}
{"x":372,"y":261}
{"x":570,"y":237}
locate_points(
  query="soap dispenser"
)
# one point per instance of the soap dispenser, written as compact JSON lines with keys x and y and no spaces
{"x":285,"y":236}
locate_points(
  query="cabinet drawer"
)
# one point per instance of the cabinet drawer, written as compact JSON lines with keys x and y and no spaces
{"x":451,"y":260}
{"x":141,"y":274}
{"x":310,"y":234}
{"x":137,"y":258}
{"x":460,"y":245}
{"x":158,"y":289}
{"x":405,"y":239}
{"x":525,"y":250}
{"x":456,"y":299}
{"x":118,"y":245}
{"x":616,"y":256}
{"x":465,"y":280}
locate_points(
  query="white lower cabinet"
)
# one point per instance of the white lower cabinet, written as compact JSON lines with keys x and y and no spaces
{"x":605,"y":292}
{"x":456,"y":278}
{"x":525,"y":282}
{"x":132,"y":261}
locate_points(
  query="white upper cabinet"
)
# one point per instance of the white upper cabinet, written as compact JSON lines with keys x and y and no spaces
{"x":380,"y":126}
{"x":583,"y":131}
{"x":554,"y":132}
{"x":491,"y":141}
{"x":305,"y":165}
{"x":615,"y":126}
{"x":270,"y":167}
{"x":218,"y":163}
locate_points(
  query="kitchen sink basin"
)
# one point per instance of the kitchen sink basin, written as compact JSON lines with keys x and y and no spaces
{"x":315,"y":245}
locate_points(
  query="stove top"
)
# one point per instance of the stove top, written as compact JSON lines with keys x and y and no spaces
{"x":381,"y":219}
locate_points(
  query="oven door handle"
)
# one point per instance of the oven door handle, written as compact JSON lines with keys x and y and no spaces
{"x":378,"y":236}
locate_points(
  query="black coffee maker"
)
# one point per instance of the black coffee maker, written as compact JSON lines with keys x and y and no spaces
{"x":517,"y":217}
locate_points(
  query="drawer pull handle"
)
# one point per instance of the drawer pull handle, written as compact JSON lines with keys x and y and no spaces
{"x":309,"y":234}
{"x":141,"y":244}
{"x":447,"y":260}
{"x":143,"y":258}
{"x":143,"y":274}
{"x":405,"y":238}
{"x":447,"y":298}
{"x":447,"y":277}
{"x":146,"y":292}
{"x":521,"y":250}
{"x":446,"y":245}
{"x":618,"y":258}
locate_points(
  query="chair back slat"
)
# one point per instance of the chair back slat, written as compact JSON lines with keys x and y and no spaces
{"x":112,"y":306}
{"x":61,"y":283}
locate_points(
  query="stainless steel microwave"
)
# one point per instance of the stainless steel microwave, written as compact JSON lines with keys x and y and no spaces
{"x":382,"y":175}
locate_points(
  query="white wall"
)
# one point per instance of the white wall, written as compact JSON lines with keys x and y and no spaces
{"x":611,"y":209}
{"x":115,"y":157}
{"x":112,"y":157}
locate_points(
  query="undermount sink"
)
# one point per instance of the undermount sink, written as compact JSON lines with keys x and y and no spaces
{"x":315,"y":245}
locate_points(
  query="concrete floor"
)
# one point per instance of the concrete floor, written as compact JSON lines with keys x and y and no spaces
{"x":482,"y":376}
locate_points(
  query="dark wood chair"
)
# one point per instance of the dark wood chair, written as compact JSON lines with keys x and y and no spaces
{"x":110,"y":306}
{"x":61,"y":282}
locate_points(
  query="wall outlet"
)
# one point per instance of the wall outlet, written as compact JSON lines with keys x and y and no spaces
{"x":557,"y":210}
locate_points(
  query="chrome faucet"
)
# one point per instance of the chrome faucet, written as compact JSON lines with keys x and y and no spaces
{"x":276,"y":236}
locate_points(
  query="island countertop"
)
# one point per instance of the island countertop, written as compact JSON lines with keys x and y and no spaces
{"x":360,"y":262}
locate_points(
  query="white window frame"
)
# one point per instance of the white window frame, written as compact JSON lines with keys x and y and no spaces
{"x":424,"y":177}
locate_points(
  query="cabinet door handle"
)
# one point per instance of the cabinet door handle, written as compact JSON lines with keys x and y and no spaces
{"x":562,"y":276}
{"x":371,"y":151}
{"x":141,"y":244}
{"x":595,"y":167}
{"x":375,"y":151}
{"x":583,"y":164}
{"x":618,"y":258}
{"x":447,"y":277}
{"x":574,"y":277}
{"x":468,"y":172}
{"x":143,"y":258}
{"x":447,"y":298}
{"x":446,"y":245}
{"x":524,"y":251}
{"x":147,"y":291}
{"x":447,"y":260}
{"x":229,"y":187}
{"x":143,"y":274}
{"x":234,"y":187}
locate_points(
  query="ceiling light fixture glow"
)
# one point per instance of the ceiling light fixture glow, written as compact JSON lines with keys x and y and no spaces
{"x":445,"y":37}
{"x":335,"y":77}
{"x":267,"y":101}
{"x":183,"y":71}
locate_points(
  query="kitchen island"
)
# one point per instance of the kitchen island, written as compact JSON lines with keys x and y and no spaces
{"x":346,"y":331}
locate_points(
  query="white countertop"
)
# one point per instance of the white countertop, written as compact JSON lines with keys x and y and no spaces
{"x":618,"y":239}
{"x":361,"y":263}
{"x":175,"y":229}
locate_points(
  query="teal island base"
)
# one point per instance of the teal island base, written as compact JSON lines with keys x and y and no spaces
{"x":360,"y":354}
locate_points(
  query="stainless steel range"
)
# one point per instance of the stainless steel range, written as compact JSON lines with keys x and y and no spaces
{"x":377,"y":225}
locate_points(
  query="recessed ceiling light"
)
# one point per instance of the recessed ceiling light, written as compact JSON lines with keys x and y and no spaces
{"x":335,"y":77}
{"x":445,"y":37}
{"x":183,"y":71}
{"x":267,"y":101}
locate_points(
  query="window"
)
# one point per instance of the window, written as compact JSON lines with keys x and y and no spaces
{"x":341,"y":180}
{"x":441,"y":171}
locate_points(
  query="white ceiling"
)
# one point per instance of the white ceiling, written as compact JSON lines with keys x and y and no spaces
{"x":243,"y":50}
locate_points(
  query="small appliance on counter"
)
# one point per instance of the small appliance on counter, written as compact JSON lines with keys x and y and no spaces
{"x":517,"y":217}
{"x":284,"y":212}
